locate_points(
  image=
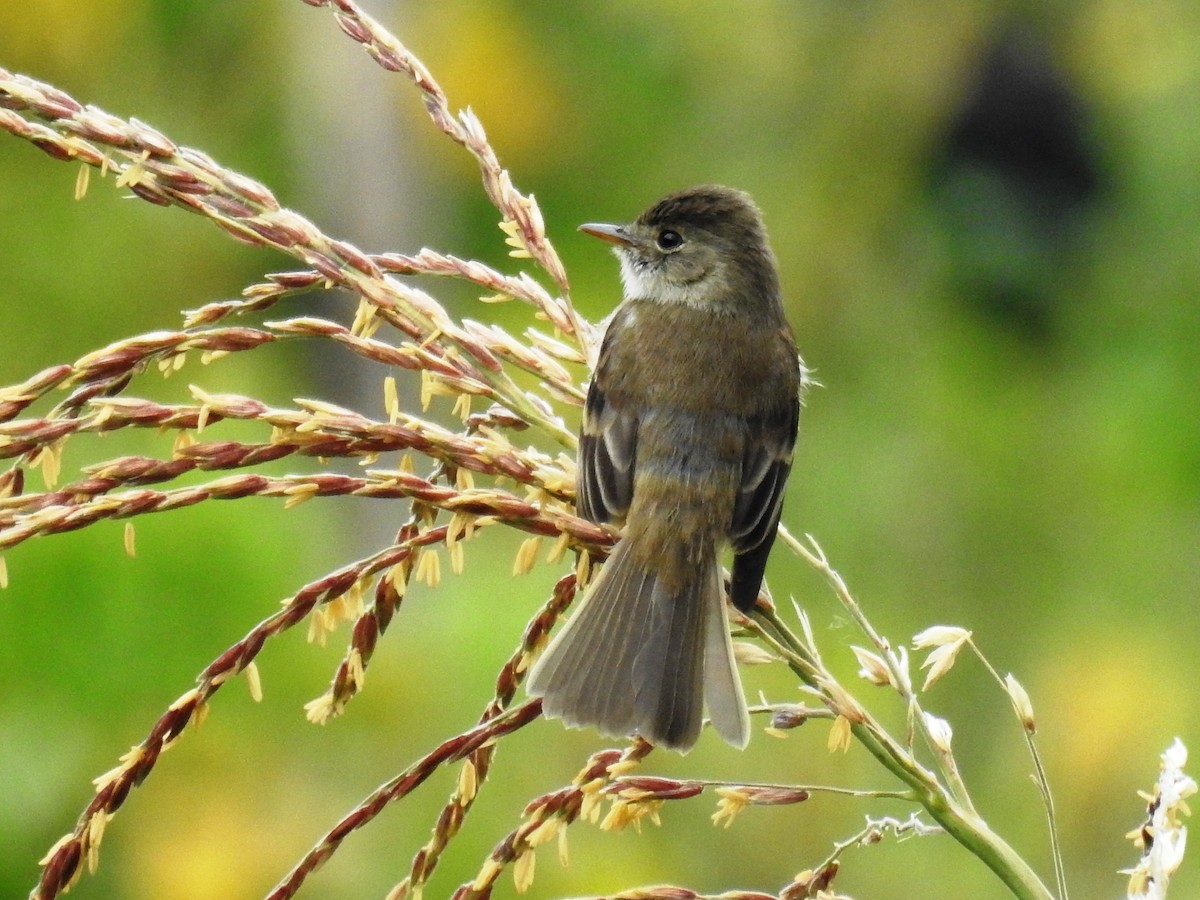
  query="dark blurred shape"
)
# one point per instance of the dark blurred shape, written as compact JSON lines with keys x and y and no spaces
{"x":1015,"y":171}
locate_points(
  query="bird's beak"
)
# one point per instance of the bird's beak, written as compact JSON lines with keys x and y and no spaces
{"x":614,"y":234}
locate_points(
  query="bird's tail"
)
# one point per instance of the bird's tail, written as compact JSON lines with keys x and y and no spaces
{"x":636,"y":657}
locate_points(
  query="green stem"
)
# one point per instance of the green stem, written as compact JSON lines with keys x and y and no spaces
{"x":995,"y":853}
{"x":964,"y":826}
{"x":815,"y":557}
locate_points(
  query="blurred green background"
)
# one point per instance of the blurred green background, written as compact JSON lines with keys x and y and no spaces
{"x":987,"y":216}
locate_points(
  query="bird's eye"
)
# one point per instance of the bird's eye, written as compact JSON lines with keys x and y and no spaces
{"x":669,"y":240}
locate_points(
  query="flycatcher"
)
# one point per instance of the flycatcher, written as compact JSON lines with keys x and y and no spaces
{"x":687,"y":440}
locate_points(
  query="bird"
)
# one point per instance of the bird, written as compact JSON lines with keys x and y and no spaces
{"x":686,"y":443}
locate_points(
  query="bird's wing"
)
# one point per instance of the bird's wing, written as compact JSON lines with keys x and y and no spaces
{"x":767,"y":460}
{"x":607,"y":449}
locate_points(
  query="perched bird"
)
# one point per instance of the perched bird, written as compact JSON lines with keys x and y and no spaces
{"x":687,"y":441}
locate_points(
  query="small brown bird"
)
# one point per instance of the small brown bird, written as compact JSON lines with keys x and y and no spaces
{"x":687,"y":439}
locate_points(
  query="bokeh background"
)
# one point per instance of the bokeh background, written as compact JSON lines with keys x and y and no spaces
{"x":987,"y":216}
